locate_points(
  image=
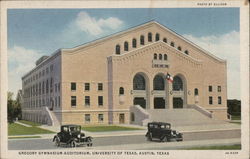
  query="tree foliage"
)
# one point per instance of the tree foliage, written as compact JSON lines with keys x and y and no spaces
{"x":14,"y":108}
{"x":234,"y":107}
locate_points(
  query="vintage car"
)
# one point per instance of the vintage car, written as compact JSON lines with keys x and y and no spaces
{"x":163,"y":132}
{"x":72,"y":136}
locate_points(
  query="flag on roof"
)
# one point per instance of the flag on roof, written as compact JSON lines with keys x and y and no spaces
{"x":169,"y":78}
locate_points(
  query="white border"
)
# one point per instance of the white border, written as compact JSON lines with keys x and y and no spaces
{"x":244,"y":32}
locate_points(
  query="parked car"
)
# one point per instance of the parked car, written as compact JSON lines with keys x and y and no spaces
{"x":72,"y":136}
{"x":163,"y":132}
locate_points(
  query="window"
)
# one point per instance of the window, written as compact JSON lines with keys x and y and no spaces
{"x":134,"y":43}
{"x":58,"y":85}
{"x":219,"y":100}
{"x":210,"y":100}
{"x":177,"y":84}
{"x":87,"y":100}
{"x":160,"y":56}
{"x":51,"y":85}
{"x":117,"y":50}
{"x":121,"y":91}
{"x":125,"y":46}
{"x":149,"y":37}
{"x":73,"y":101}
{"x":100,"y":100}
{"x":196,"y":92}
{"x":172,"y":43}
{"x":87,"y":118}
{"x":165,"y":40}
{"x":210,"y":88}
{"x":55,"y":101}
{"x":59,"y":101}
{"x":100,"y":118}
{"x":55,"y":87}
{"x":87,"y":87}
{"x":155,"y":56}
{"x":100,"y":87}
{"x":47,"y":86}
{"x":179,"y":48}
{"x":219,"y":88}
{"x":142,"y":40}
{"x":73,"y":86}
{"x":157,"y":37}
{"x":186,"y":52}
{"x":158,"y":83}
{"x":165,"y":57}
{"x":139,"y":82}
{"x":51,"y":68}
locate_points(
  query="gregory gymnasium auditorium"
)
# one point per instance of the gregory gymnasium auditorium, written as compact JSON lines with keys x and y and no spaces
{"x":146,"y":73}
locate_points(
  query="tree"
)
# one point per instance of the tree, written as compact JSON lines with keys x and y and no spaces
{"x":234,"y":107}
{"x":14,"y":108}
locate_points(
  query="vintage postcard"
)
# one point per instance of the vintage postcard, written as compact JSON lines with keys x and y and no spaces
{"x":125,"y":79}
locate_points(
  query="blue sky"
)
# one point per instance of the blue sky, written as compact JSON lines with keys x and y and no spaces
{"x":36,"y":32}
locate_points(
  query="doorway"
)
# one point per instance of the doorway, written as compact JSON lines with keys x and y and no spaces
{"x":121,"y":118}
{"x":177,"y":103}
{"x":140,"y":101}
{"x":159,"y":103}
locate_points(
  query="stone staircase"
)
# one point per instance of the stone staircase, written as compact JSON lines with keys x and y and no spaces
{"x":51,"y":117}
{"x":181,"y":117}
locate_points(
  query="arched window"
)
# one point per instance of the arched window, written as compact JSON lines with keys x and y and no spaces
{"x":117,"y":50}
{"x":165,"y":57}
{"x":142,"y":40}
{"x":125,"y":46}
{"x":155,"y":56}
{"x":196,"y":92}
{"x":134,"y":43}
{"x":149,"y":37}
{"x":186,"y":52}
{"x":172,"y":43}
{"x":179,"y":48}
{"x":158,"y":83}
{"x":165,"y":40}
{"x":177,"y":84}
{"x":139,"y":82}
{"x":160,"y":56}
{"x":157,"y":37}
{"x":121,"y":91}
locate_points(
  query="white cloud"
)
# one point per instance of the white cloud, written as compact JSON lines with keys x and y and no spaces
{"x":20,"y":61}
{"x":226,"y":46}
{"x":96,"y":26}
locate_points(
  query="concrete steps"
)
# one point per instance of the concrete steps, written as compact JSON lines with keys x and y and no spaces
{"x":179,"y":117}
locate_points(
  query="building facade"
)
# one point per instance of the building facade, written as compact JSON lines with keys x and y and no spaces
{"x":98,"y":82}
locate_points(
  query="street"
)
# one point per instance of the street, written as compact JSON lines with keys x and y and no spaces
{"x":47,"y":144}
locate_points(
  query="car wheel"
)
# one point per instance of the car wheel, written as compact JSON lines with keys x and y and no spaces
{"x":149,"y":137}
{"x":72,"y":144}
{"x":57,"y":141}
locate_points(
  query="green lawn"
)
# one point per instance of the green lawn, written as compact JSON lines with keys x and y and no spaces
{"x":17,"y":129}
{"x":24,"y":137}
{"x":223,"y":147}
{"x":107,"y":128}
{"x":29,"y":123}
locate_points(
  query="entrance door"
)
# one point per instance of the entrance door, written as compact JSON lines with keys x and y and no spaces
{"x":140,"y":101}
{"x":121,"y":118}
{"x":177,"y":103}
{"x":159,"y":103}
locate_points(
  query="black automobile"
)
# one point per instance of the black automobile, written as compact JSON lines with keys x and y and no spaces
{"x":71,"y":135}
{"x":163,"y":132}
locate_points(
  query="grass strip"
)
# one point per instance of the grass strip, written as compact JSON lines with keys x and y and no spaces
{"x":17,"y":129}
{"x":29,"y":123}
{"x":221,"y":147}
{"x":23,"y":137}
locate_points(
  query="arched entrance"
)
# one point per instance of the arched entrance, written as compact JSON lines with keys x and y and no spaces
{"x":159,"y":92}
{"x":179,"y":91}
{"x":140,"y":88}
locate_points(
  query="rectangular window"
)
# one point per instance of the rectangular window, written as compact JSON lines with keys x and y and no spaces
{"x":210,"y":100}
{"x":100,"y":100}
{"x":73,"y":101}
{"x":87,"y":100}
{"x":100,"y":118}
{"x":210,"y":88}
{"x":87,"y":118}
{"x":219,"y":88}
{"x":100,"y":87}
{"x":87,"y":87}
{"x":59,"y":101}
{"x":219,"y":100}
{"x":73,"y":86}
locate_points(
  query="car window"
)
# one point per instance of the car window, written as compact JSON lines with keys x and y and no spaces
{"x":65,"y":129}
{"x":72,"y":129}
{"x":163,"y":126}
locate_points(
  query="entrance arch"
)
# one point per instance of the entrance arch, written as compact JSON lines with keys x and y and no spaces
{"x":179,"y":89}
{"x":140,"y":90}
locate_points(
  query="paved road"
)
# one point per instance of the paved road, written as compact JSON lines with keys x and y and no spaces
{"x":42,"y":144}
